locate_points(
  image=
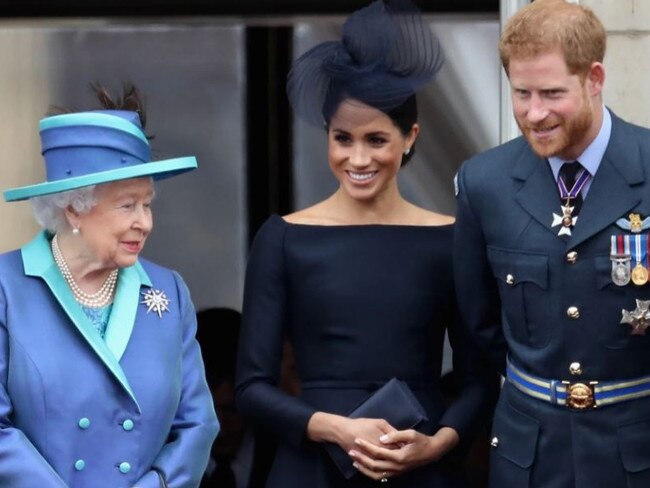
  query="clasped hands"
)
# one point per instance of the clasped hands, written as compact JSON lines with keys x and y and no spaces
{"x":376,"y":447}
{"x":381,"y":451}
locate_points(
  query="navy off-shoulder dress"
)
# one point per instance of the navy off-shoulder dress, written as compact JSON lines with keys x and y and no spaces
{"x":361,"y":304}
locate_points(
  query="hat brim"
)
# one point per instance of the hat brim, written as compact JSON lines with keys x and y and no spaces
{"x":158,"y":170}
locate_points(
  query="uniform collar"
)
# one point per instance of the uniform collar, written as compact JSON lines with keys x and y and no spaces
{"x":592,"y":156}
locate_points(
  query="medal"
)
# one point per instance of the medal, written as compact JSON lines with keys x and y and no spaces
{"x":567,"y":219}
{"x":640,"y":272}
{"x":620,"y":257}
{"x":639,"y":275}
{"x":639,"y":318}
{"x":621,"y":273}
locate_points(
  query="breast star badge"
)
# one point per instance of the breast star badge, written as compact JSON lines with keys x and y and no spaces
{"x":639,"y":318}
{"x":156,"y":301}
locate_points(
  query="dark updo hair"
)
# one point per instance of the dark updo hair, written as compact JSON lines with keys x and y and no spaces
{"x":403,"y":116}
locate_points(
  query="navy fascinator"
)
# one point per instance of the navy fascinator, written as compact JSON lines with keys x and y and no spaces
{"x":386,"y":53}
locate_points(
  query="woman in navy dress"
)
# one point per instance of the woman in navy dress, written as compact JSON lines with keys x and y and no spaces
{"x":361,"y":282}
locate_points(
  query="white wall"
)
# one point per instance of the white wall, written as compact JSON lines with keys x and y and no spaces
{"x":627,"y":62}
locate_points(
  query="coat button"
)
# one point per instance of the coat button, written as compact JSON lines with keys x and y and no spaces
{"x":575,"y":369}
{"x":573,"y":312}
{"x":84,"y":423}
{"x":127,"y":425}
{"x":494,"y":442}
{"x":80,"y":464}
{"x":125,"y":467}
{"x":510,"y":279}
{"x":571,"y":257}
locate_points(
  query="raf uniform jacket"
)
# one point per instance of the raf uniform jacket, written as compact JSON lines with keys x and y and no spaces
{"x":517,"y":281}
{"x":80,"y":411}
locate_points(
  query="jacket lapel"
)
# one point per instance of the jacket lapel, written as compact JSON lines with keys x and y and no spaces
{"x":125,"y":308}
{"x":611,"y":194}
{"x":538,"y":194}
{"x":38,"y":261}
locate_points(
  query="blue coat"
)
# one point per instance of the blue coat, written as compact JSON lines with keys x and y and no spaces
{"x":80,"y":411}
{"x":516,"y":280}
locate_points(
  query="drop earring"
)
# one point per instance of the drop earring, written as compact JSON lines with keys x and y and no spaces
{"x":407,"y":151}
{"x":75,"y":231}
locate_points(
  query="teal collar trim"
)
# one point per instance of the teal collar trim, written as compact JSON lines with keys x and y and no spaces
{"x":125,"y":307}
{"x":38,"y":261}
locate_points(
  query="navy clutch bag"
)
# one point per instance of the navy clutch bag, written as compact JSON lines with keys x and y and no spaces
{"x":393,"y":402}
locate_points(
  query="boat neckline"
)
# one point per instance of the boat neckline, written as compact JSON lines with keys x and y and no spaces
{"x":335,"y":226}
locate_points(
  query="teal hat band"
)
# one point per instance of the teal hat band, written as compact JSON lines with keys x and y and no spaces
{"x":123,"y":122}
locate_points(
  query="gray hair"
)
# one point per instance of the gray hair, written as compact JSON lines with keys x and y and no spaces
{"x":49,"y":210}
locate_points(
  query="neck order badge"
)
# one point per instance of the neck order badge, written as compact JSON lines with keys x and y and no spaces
{"x":575,"y":177}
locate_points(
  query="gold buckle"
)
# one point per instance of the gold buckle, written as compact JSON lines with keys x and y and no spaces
{"x":580,"y":396}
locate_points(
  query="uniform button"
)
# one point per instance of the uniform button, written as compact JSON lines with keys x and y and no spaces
{"x":127,"y":425}
{"x":494,"y":442}
{"x":125,"y":467}
{"x":573,"y":312}
{"x":575,"y":369}
{"x":572,"y":257}
{"x":510,"y":279}
{"x":80,"y":464}
{"x":84,"y":423}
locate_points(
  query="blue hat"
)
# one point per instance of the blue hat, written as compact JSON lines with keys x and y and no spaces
{"x":88,"y":148}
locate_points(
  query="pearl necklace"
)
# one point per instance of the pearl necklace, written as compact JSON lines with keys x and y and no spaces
{"x":99,"y":299}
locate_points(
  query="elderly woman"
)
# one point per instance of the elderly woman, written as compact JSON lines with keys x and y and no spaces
{"x":101,"y":379}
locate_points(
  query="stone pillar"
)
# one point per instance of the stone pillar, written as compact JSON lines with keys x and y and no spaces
{"x":509,"y":129}
{"x":627,"y":62}
{"x":24,"y":98}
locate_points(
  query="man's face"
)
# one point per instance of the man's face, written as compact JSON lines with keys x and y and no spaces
{"x":559,"y":113}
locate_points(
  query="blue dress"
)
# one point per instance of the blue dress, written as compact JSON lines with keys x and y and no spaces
{"x":360,"y":304}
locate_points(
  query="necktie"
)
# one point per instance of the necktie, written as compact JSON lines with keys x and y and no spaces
{"x":568,"y":173}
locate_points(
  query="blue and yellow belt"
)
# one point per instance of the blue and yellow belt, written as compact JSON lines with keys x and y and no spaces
{"x":577,"y":395}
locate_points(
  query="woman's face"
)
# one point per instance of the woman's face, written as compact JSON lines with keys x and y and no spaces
{"x":116,"y":228}
{"x":365,"y":149}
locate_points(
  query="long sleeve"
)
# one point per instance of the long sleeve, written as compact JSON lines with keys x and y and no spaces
{"x":478,"y":297}
{"x":21,"y":465}
{"x":184,"y":457}
{"x":477,"y":383}
{"x":260,"y":350}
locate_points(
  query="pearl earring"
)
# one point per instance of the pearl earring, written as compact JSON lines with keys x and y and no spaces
{"x":407,"y":151}
{"x":75,"y":231}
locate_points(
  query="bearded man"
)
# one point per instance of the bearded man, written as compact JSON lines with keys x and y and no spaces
{"x":551,"y":264}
